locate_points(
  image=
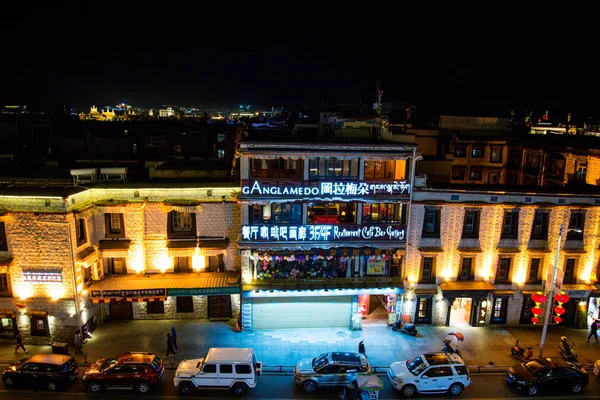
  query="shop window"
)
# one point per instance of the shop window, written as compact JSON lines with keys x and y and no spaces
{"x":382,"y":170}
{"x":503,"y":273}
{"x":431,"y":223}
{"x":185,"y":304}
{"x":181,"y":225}
{"x":39,"y":325}
{"x":375,"y":266}
{"x":499,"y":310}
{"x":276,"y":213}
{"x":534,"y":271}
{"x":8,"y":326}
{"x":3,"y":241}
{"x":155,"y":307}
{"x":182,"y":264}
{"x":539,"y":230}
{"x":383,"y":213}
{"x":5,"y":285}
{"x":116,"y":266}
{"x":477,"y":151}
{"x":466,"y":269}
{"x":471,"y":224}
{"x":114,"y":226}
{"x":476,"y":174}
{"x":577,"y":221}
{"x":458,"y":173}
{"x":570,"y":271}
{"x":494,"y":178}
{"x":428,"y":273}
{"x":331,"y":213}
{"x":424,"y":310}
{"x":510,"y":225}
{"x":332,"y":167}
{"x":80,"y":231}
{"x":496,"y":155}
{"x":460,"y":151}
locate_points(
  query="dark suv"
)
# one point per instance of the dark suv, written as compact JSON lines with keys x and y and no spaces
{"x":50,"y":371}
{"x":140,"y":371}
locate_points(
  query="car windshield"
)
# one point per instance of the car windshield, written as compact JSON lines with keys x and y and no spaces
{"x":535,"y":368}
{"x":108,"y":363}
{"x":416,"y":365}
{"x":319,"y":362}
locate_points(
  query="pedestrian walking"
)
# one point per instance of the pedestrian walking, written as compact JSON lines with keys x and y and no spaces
{"x":174,"y":337}
{"x":593,"y":330}
{"x":19,"y":342}
{"x":78,"y":342}
{"x":361,"y":348}
{"x":170,"y":349}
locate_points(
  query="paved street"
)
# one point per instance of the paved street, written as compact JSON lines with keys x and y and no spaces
{"x":482,"y":346}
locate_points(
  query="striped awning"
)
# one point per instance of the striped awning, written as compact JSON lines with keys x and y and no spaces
{"x":188,"y":209}
{"x":110,"y":209}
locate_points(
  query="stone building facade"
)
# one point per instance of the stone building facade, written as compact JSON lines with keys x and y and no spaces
{"x":475,"y":257}
{"x":121,"y":253}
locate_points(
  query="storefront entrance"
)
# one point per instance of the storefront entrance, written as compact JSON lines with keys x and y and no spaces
{"x":219,"y":307}
{"x":460,"y":311}
{"x":301,"y":312}
{"x":121,"y":311}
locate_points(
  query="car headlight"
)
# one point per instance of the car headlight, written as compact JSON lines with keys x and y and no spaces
{"x":397,"y":379}
{"x":521,"y":382}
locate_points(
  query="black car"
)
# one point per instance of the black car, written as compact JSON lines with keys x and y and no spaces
{"x":49,"y":371}
{"x":551,"y":374}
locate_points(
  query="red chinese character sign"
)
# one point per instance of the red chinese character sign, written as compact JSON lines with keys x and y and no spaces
{"x":538,"y":298}
{"x":559,"y":309}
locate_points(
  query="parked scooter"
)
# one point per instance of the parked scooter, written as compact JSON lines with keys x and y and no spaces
{"x":406,"y":328}
{"x":520,"y":353}
{"x":567,"y":351}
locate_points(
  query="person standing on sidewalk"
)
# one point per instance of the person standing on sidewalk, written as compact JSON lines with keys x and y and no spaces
{"x":170,"y":348}
{"x":78,"y":342}
{"x":593,"y":331}
{"x":19,"y":342}
{"x":174,"y":337}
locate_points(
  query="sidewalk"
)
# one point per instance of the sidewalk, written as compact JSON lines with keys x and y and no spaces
{"x":481,"y":347}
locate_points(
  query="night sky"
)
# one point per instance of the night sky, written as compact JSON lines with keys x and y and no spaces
{"x":171,"y":53}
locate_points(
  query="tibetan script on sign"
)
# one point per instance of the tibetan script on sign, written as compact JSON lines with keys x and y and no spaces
{"x":324,"y":233}
{"x":32,"y":275}
{"x":328,"y":189}
{"x":129,"y":293}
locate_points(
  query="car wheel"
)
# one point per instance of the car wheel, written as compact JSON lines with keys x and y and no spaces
{"x":455,"y":389}
{"x":143,"y":387}
{"x":94,"y":386}
{"x":576,"y":388}
{"x":9,"y":381}
{"x":52,"y":386}
{"x":187,"y":387}
{"x":533,"y":390}
{"x":239,"y":388}
{"x":409,"y":390}
{"x":309,"y":386}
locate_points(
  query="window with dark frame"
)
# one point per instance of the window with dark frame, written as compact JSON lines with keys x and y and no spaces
{"x":39,"y":325}
{"x":498,"y":303}
{"x":4,"y":285}
{"x":155,"y":307}
{"x":182,"y":264}
{"x":384,"y":169}
{"x":477,"y":151}
{"x":182,"y":222}
{"x":427,"y":270}
{"x":382,"y":213}
{"x":114,"y":227}
{"x":476,"y":174}
{"x":116,"y":266}
{"x":460,"y":151}
{"x":510,"y":224}
{"x":534,"y":271}
{"x":570,"y":271}
{"x":471,"y":224}
{"x":424,"y":307}
{"x":494,"y":178}
{"x":185,"y":304}
{"x":276,"y":213}
{"x":458,"y":173}
{"x":503,"y":274}
{"x":431,"y":223}
{"x":80,"y":231}
{"x":539,"y":230}
{"x":466,"y":269}
{"x":3,"y":241}
{"x":332,"y":167}
{"x":576,"y":221}
{"x":496,"y":155}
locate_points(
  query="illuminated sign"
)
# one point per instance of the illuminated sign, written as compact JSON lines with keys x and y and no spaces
{"x":33,"y":275}
{"x":328,"y":189}
{"x":129,"y":293}
{"x":322,"y":233}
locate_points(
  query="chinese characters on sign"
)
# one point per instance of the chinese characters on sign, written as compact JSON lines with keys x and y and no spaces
{"x":329,"y":189}
{"x":204,"y":291}
{"x":129,"y":293}
{"x":279,"y":233}
{"x":42,"y":276}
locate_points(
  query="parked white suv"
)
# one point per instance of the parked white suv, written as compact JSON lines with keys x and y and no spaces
{"x":430,"y":373}
{"x":235,"y":369}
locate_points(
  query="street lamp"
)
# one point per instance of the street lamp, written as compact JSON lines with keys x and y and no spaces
{"x":552,"y":285}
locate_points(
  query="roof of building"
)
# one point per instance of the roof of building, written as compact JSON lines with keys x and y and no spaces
{"x":193,"y":280}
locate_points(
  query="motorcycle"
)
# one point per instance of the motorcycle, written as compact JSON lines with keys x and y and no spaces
{"x":519,"y":352}
{"x":567,"y":351}
{"x":406,"y":328}
{"x":447,"y":342}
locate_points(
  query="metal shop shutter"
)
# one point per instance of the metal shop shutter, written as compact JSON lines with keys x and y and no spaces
{"x":301,"y":312}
